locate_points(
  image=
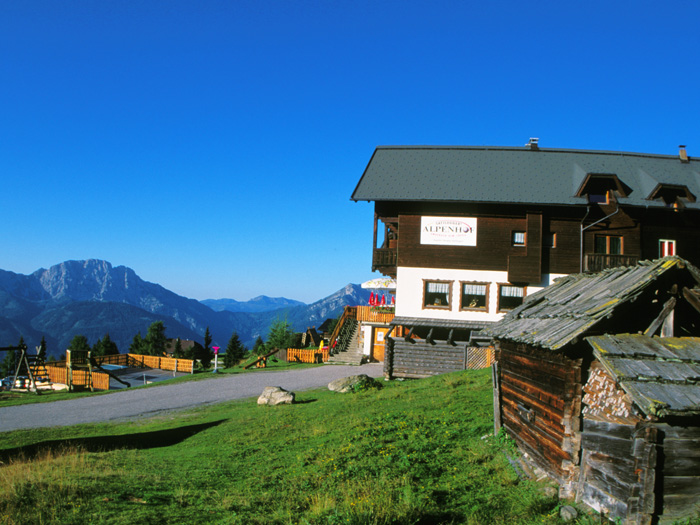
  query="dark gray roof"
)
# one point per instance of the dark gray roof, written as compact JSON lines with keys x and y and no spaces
{"x":516,"y":175}
{"x":554,"y":316}
{"x":661,"y":375}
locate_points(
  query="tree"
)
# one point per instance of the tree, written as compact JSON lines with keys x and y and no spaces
{"x":201,"y":355}
{"x":235,"y":351}
{"x":207,"y":339}
{"x":105,"y":347}
{"x":259,"y":346}
{"x":177,"y":351}
{"x":42,"y":348}
{"x":208,"y":354}
{"x":155,"y":340}
{"x":138,"y":345}
{"x":280,"y":335}
{"x":9,"y":364}
{"x":79,"y":343}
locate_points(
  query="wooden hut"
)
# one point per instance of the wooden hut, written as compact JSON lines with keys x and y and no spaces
{"x":543,"y":360}
{"x":640,"y":452}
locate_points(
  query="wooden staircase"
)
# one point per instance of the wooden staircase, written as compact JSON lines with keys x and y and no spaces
{"x":348,"y":350}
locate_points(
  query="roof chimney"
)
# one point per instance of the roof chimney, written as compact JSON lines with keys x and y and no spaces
{"x":533,"y":143}
{"x":682,"y":154}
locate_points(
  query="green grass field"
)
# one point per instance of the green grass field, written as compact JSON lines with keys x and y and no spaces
{"x":411,"y":452}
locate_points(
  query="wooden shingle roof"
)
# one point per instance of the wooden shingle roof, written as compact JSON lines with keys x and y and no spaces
{"x":661,"y":375}
{"x":554,"y":316}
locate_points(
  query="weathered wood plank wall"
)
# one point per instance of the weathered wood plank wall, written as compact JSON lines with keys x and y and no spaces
{"x":680,"y":471}
{"x":540,"y":407}
{"x":417,"y":359}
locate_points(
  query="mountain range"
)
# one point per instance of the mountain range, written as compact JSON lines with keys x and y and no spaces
{"x":93,"y":298}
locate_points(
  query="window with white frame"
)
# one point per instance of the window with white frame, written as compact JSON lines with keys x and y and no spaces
{"x":436,"y":294}
{"x":510,"y":297}
{"x":474,"y":296}
{"x":667,"y":247}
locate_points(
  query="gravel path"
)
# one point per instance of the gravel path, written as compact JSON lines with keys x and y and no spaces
{"x":141,"y":402}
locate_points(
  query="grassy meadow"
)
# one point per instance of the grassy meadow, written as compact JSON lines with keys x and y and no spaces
{"x":411,"y":452}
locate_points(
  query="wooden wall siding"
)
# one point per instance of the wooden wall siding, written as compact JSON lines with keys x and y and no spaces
{"x":540,"y":400}
{"x":491,"y":253}
{"x":618,"y":470}
{"x":687,"y":237}
{"x":421,"y":359}
{"x":641,"y":230}
{"x":680,"y":471}
{"x":527,"y":267}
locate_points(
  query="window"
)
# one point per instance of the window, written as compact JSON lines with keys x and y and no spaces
{"x":549,"y":240}
{"x":672,"y":195}
{"x":436,"y":294}
{"x":602,"y":188}
{"x":510,"y":297}
{"x":518,"y":238}
{"x":608,"y":244}
{"x":667,"y":247}
{"x":475,"y":296}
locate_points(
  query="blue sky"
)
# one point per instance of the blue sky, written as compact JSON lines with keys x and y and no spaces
{"x":213,"y":146}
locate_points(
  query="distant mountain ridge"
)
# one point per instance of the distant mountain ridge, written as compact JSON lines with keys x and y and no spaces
{"x":262,"y":303}
{"x":93,"y":298}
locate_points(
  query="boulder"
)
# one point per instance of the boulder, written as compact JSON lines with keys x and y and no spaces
{"x":275,"y":395}
{"x":568,"y":513}
{"x":353,"y":383}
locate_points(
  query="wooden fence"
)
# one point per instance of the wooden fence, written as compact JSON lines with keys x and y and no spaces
{"x":164,"y":363}
{"x":100,"y":381}
{"x":307,"y":355}
{"x":58,"y":373}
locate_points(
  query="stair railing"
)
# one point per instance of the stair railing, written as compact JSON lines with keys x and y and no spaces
{"x":350,"y":312}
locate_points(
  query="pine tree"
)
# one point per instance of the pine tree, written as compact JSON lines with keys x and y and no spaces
{"x":106,"y":346}
{"x":235,"y":351}
{"x":155,"y":340}
{"x":280,"y":335}
{"x":42,"y":348}
{"x":259,"y":346}
{"x":79,"y":343}
{"x":138,"y":345}
{"x":177,"y":352}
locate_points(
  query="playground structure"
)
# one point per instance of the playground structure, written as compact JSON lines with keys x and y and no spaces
{"x":261,"y":362}
{"x":82,"y":360}
{"x":31,"y":367}
{"x":81,"y":370}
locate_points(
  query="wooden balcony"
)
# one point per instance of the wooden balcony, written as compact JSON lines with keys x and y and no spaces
{"x":372,"y":314}
{"x":596,"y":262}
{"x":384,"y":261}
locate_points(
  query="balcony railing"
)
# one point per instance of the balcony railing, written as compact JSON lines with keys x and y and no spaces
{"x":383,"y":257}
{"x":596,"y":262}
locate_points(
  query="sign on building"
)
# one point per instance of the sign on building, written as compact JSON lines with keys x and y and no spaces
{"x":448,"y":231}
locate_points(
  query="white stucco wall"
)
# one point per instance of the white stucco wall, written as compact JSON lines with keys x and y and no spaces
{"x":409,"y":292}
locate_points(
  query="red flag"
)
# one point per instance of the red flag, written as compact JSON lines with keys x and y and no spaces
{"x":392,"y":299}
{"x":383,"y":300}
{"x":371,"y":299}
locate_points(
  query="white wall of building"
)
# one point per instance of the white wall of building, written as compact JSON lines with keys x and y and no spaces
{"x":409,"y":292}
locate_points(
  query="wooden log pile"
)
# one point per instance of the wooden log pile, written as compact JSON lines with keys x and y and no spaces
{"x":604,"y":401}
